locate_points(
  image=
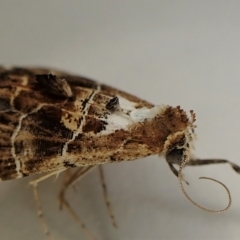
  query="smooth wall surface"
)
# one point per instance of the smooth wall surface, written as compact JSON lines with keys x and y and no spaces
{"x":168,"y":52}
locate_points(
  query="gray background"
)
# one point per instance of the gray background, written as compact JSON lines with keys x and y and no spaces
{"x":169,"y":52}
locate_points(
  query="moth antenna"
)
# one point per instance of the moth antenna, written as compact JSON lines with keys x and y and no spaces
{"x":184,"y":162}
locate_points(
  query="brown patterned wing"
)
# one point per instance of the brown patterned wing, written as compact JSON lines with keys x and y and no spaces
{"x":39,"y":116}
{"x":52,"y":120}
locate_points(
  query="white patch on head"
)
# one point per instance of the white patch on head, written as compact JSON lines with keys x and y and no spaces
{"x":116,"y":121}
{"x":141,"y":114}
{"x":126,"y":104}
{"x":119,"y":120}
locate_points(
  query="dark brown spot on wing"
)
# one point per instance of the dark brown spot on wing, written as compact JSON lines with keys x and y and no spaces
{"x":46,"y":122}
{"x":113,"y":104}
{"x":94,"y":125}
{"x":4,"y":104}
{"x":47,"y":148}
{"x":54,"y":85}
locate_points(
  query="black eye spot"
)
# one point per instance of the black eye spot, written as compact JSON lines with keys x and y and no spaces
{"x":175,"y":156}
{"x":113,"y":104}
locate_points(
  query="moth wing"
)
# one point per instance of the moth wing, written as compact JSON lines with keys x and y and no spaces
{"x":37,"y":126}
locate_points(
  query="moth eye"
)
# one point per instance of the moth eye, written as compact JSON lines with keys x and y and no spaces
{"x":174,"y":156}
{"x":113,"y":104}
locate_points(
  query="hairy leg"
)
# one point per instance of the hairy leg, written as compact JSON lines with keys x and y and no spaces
{"x":107,"y":202}
{"x":70,"y":181}
{"x":34,"y":184}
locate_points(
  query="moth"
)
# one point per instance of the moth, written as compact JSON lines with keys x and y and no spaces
{"x":51,"y":121}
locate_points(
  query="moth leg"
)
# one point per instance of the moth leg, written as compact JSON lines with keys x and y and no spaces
{"x":76,"y":176}
{"x":107,"y":202}
{"x":70,"y":180}
{"x":67,"y":174}
{"x":198,"y":162}
{"x":34,"y":184}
